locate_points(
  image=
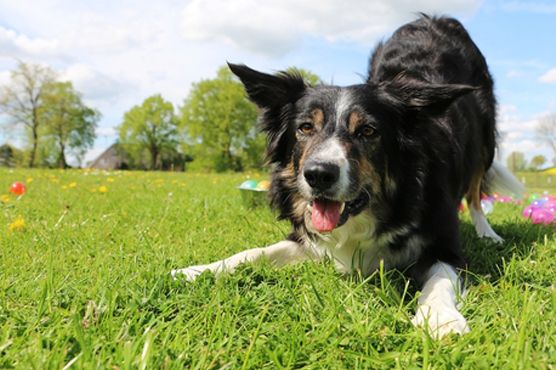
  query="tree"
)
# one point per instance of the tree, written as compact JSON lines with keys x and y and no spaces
{"x":309,"y":77}
{"x":21,"y":100}
{"x":69,"y":125}
{"x":516,"y":161}
{"x":10,"y":156}
{"x":538,"y":161}
{"x":220,"y":122}
{"x":150,"y":129}
{"x":546,"y":132}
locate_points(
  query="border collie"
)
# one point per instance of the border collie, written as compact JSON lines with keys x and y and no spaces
{"x":375,"y":172}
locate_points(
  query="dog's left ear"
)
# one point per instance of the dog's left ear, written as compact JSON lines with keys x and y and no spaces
{"x":416,"y":94}
{"x":275,"y":95}
{"x":269,"y":91}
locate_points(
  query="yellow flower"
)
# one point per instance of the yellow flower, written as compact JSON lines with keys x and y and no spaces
{"x":17,"y":225}
{"x":4,"y":198}
{"x":102,"y":189}
{"x":72,"y":184}
{"x":110,"y":179}
{"x":29,"y":180}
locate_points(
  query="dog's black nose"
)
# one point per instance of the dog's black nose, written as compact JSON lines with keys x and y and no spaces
{"x":321,"y":176}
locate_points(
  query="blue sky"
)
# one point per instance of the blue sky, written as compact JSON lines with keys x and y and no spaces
{"x":119,"y":53}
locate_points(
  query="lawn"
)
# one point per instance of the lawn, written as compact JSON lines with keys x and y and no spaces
{"x":84,"y":263}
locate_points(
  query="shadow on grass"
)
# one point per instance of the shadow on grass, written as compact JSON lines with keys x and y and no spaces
{"x":486,"y":258}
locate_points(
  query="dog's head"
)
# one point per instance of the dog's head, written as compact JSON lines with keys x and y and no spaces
{"x":338,"y":149}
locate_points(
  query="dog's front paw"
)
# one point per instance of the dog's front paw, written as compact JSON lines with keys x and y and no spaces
{"x":188,"y":273}
{"x":491,"y":235}
{"x":440,"y":321}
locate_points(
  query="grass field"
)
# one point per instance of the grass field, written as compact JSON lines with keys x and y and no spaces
{"x":84,"y":263}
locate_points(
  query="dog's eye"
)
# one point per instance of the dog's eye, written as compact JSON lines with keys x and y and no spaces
{"x":366,"y":131}
{"x":306,"y":128}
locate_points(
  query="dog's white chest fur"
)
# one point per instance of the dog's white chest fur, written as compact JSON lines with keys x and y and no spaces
{"x":354,"y":247}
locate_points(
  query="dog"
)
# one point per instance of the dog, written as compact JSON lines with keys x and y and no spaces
{"x":374,"y":173}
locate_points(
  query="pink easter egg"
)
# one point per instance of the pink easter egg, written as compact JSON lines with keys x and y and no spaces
{"x":528,"y":211}
{"x":542,"y":216}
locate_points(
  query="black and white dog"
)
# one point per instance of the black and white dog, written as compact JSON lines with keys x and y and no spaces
{"x":376,"y":172}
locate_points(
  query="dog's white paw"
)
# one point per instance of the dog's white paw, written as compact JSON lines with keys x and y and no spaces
{"x":483,"y":228}
{"x":188,"y":273}
{"x":490,"y":234}
{"x":441,"y":320}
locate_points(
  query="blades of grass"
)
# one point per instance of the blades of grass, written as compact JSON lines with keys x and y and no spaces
{"x":41,"y":308}
{"x":47,"y":287}
{"x":254,"y":337}
{"x":72,"y":361}
{"x":425,"y":351}
{"x":381,"y":275}
{"x":401,"y":306}
{"x":521,"y":347}
{"x":84,"y":342}
{"x":315,"y":290}
{"x":147,"y":348}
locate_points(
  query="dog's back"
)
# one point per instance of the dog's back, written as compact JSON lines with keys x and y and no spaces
{"x":439,"y":50}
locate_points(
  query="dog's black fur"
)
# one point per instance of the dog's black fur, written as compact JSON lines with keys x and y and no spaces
{"x":423,"y":137}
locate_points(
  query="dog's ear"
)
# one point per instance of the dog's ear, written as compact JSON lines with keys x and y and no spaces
{"x":416,"y":94}
{"x":275,"y":95}
{"x":269,"y":91}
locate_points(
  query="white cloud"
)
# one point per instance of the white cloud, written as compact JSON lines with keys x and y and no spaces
{"x":92,"y":83}
{"x":549,"y":77}
{"x":509,"y":121}
{"x":277,"y":27}
{"x":16,"y":44}
{"x":106,"y":132}
{"x":517,"y":134}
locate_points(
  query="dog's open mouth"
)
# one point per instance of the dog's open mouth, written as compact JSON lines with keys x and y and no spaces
{"x":326,"y":214}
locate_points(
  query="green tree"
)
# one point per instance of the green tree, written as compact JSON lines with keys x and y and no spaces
{"x":21,"y":100}
{"x":220,"y":122}
{"x":546,"y":132}
{"x":538,"y":161}
{"x":69,"y":125}
{"x":516,"y":161}
{"x":309,"y":77}
{"x":150,"y":130}
{"x":10,"y":156}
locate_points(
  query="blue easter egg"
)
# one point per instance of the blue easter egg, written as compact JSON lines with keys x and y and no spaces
{"x":249,"y":184}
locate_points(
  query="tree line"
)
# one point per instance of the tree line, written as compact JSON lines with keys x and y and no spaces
{"x":49,"y":113}
{"x":214,"y":128}
{"x":545,"y":133}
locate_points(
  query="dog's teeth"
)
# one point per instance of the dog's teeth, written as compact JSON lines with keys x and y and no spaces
{"x":310,"y":207}
{"x":342,"y":207}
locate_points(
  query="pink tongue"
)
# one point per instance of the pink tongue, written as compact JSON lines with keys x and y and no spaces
{"x":326,"y":215}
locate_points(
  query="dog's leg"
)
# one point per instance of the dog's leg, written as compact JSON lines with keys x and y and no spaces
{"x":437,"y":305}
{"x":482,"y":227}
{"x":279,"y":254}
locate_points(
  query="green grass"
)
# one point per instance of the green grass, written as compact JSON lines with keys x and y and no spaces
{"x":86,"y":284}
{"x":538,"y":181}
